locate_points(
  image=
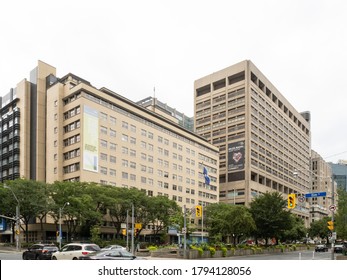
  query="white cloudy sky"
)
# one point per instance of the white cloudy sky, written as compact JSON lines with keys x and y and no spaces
{"x":133,"y":46}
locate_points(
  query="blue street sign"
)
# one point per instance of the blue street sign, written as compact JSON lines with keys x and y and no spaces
{"x":315,"y":194}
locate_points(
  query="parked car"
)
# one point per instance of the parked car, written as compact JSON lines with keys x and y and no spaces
{"x":113,"y":247}
{"x":39,"y":252}
{"x":321,"y":248}
{"x":73,"y":251}
{"x":338,"y":248}
{"x":117,"y":254}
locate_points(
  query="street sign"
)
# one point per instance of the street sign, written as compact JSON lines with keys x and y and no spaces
{"x":184,"y":230}
{"x":301,"y":198}
{"x":332,"y":208}
{"x":308,"y":195}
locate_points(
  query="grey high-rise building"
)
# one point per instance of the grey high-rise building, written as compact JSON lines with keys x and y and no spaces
{"x":263,"y":140}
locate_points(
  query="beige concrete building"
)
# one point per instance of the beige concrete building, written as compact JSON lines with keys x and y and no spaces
{"x":261,"y":137}
{"x":321,"y":183}
{"x":72,"y":131}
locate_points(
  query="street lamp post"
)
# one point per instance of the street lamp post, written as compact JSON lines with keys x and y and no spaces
{"x":17,"y":231}
{"x":60,"y":232}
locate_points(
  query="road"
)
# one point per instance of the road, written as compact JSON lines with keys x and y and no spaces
{"x":295,"y":255}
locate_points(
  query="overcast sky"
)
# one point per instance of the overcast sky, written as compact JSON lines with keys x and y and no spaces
{"x":131,"y":47}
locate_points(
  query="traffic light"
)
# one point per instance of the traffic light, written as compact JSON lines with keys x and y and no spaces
{"x":330,"y":225}
{"x":291,"y":201}
{"x":198,"y":211}
{"x":17,"y":231}
{"x":124,"y":231}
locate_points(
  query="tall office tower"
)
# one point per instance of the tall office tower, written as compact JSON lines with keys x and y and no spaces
{"x":23,"y":127}
{"x":264,"y":142}
{"x":322,"y":182}
{"x":340,"y":173}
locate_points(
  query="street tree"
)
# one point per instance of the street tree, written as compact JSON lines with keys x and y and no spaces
{"x":341,"y":215}
{"x":32,"y":199}
{"x":225,"y":221}
{"x":297,"y":230}
{"x":270,"y":215}
{"x":319,"y":229}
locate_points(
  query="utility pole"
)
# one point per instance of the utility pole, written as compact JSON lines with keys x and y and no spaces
{"x":132,"y":228}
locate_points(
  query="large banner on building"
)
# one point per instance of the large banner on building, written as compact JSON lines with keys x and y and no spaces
{"x":236,"y":156}
{"x":90,"y":139}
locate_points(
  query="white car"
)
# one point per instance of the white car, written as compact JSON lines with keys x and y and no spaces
{"x":113,"y":247}
{"x":73,"y":251}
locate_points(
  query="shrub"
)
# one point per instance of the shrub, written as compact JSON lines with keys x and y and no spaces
{"x":224,"y":251}
{"x":152,"y":248}
{"x":212,"y":251}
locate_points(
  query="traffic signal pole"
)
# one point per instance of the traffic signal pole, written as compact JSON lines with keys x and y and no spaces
{"x":332,"y":218}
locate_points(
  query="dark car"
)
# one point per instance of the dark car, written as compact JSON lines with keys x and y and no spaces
{"x":338,"y":248}
{"x":321,"y":248}
{"x":117,"y":254}
{"x":39,"y":252}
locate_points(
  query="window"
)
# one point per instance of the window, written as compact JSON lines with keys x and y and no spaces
{"x":133,"y":165}
{"x":113,"y":172}
{"x":113,"y":120}
{"x":103,"y":130}
{"x":143,"y":132}
{"x":113,"y":146}
{"x":103,"y":143}
{"x":125,"y":163}
{"x":113,"y":133}
{"x":125,"y":125}
{"x":103,"y":156}
{"x":132,"y":128}
{"x":103,"y":170}
{"x":113,"y":159}
{"x":150,"y":135}
{"x":132,"y":140}
{"x":124,"y":137}
{"x":125,"y":175}
{"x":103,"y":116}
{"x":160,"y":139}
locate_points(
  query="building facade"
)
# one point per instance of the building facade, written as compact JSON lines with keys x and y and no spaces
{"x":155,"y":105}
{"x":96,"y":135}
{"x":261,"y":137}
{"x":340,"y":173}
{"x":322,"y":182}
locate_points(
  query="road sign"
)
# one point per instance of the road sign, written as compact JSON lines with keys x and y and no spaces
{"x":332,"y":208}
{"x":301,"y":198}
{"x":184,"y":230}
{"x":308,"y":195}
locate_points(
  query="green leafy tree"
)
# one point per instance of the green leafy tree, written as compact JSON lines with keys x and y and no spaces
{"x":341,"y":215}
{"x":160,"y":210}
{"x":32,"y":199}
{"x":297,"y":230}
{"x":270,"y":214}
{"x":225,"y":220}
{"x":319,"y":229}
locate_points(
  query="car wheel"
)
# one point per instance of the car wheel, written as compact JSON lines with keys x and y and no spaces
{"x":24,"y":257}
{"x":74,"y":258}
{"x":37,"y":257}
{"x":54,"y":258}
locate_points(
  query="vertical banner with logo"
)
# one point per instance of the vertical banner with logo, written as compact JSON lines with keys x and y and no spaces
{"x":236,"y":156}
{"x":90,"y":139}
